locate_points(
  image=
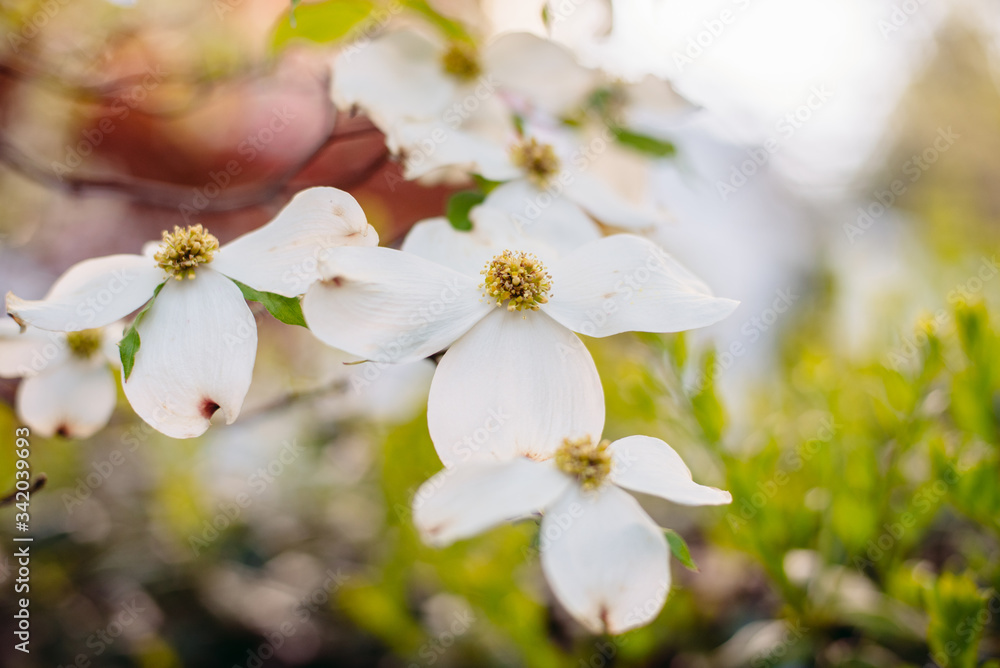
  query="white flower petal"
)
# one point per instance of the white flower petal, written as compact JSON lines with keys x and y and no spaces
{"x":648,"y":465}
{"x":466,"y":252}
{"x":284,"y":255}
{"x":394,"y":78}
{"x":605,"y":559}
{"x":198,"y":345}
{"x":30,"y":352}
{"x":428,"y":147}
{"x":92,"y":293}
{"x":554,"y":220}
{"x":110,"y":336}
{"x":541,"y":71}
{"x":607,"y":206}
{"x":388,"y":306}
{"x":654,"y":108}
{"x":74,"y":399}
{"x":626,"y":283}
{"x":515,"y":384}
{"x":460,"y":502}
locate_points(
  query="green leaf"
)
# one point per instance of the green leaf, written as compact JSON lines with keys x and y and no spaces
{"x":485,"y":184}
{"x":680,"y":549}
{"x":286,"y":309}
{"x":644,"y":143}
{"x":319,"y":22}
{"x":955,"y":608}
{"x":460,"y":205}
{"x":129,"y":345}
{"x":708,"y":411}
{"x":449,"y":27}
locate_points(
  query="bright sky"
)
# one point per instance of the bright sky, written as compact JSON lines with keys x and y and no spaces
{"x":752,"y":62}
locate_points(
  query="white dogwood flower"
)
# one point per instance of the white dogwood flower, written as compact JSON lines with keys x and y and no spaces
{"x":509,"y":329}
{"x":408,"y":77}
{"x":498,"y":114}
{"x":68,"y":385}
{"x":198,"y":337}
{"x":605,"y":559}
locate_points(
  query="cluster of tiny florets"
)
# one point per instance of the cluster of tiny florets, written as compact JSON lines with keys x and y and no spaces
{"x":588,"y":462}
{"x":538,"y":160}
{"x":517,"y":278}
{"x":85,"y":343}
{"x":182,"y":251}
{"x":461,"y":61}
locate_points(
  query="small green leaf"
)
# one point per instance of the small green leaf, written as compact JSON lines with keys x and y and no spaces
{"x":680,"y":549}
{"x":460,"y":205}
{"x":286,"y":309}
{"x":485,"y":184}
{"x":644,"y":143}
{"x":320,"y":22}
{"x":129,"y":345}
{"x":127,"y":348}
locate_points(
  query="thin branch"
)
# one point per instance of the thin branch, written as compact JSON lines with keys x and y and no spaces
{"x":166,"y":195}
{"x":39,"y":482}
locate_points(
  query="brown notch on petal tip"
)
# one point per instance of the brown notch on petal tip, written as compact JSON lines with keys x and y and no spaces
{"x":334,"y":280}
{"x":208,"y":408}
{"x":603,"y":615}
{"x":63,"y":430}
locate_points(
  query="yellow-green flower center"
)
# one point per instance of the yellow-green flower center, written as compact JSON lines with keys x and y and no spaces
{"x":538,"y":160}
{"x":182,"y":252}
{"x":461,"y":61}
{"x":85,"y":343}
{"x":586,"y":461}
{"x":518,"y":279}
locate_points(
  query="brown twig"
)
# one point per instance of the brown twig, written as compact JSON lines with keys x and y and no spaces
{"x":39,"y":482}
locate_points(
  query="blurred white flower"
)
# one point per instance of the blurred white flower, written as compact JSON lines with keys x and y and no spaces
{"x":408,"y":77}
{"x":389,"y":306}
{"x":68,"y":385}
{"x":606,"y":560}
{"x":499,"y":114}
{"x":198,"y":338}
